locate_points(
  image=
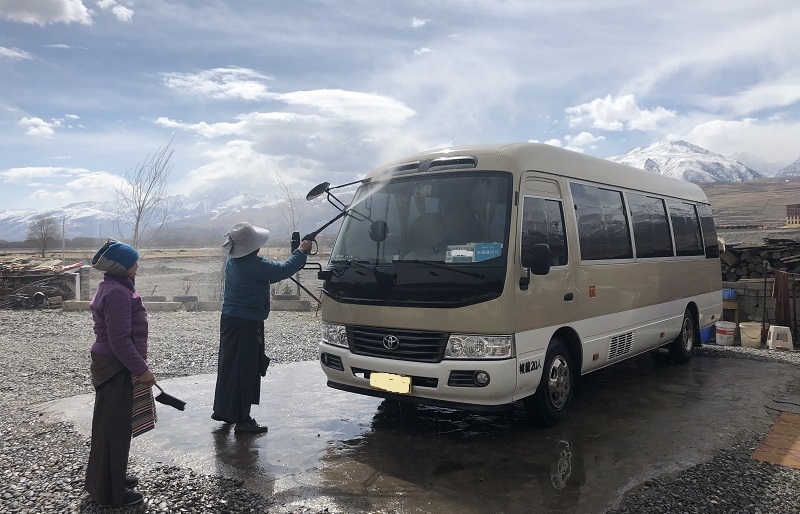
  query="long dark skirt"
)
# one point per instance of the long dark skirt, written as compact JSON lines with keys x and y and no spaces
{"x":238,"y":382}
{"x":111,"y":439}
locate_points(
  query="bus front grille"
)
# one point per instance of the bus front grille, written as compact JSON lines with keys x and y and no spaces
{"x":388,"y":343}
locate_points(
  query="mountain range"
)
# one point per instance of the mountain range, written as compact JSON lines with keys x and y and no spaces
{"x":206,"y":218}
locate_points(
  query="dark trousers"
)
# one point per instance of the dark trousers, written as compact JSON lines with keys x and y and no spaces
{"x":238,"y":382}
{"x":111,"y":440}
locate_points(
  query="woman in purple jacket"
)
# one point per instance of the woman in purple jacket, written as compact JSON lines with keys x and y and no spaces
{"x":119,"y":372}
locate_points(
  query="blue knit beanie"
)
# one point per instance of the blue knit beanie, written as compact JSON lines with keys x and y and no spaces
{"x":115,"y":257}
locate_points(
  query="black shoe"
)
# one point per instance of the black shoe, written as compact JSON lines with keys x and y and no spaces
{"x":217,"y":418}
{"x":131,"y":481}
{"x":130,"y":498}
{"x":133,"y":498}
{"x":250,"y":426}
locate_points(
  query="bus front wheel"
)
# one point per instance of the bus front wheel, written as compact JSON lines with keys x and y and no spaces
{"x":550,"y":403}
{"x":681,"y":348}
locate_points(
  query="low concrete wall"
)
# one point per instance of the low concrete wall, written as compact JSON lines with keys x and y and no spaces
{"x":75,"y":305}
{"x":203,"y":306}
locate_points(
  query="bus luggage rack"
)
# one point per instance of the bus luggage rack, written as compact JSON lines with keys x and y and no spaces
{"x":387,"y":343}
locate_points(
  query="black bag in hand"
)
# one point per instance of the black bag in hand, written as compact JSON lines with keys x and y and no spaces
{"x":263,"y":363}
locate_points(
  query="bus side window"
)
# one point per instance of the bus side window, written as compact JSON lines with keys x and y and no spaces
{"x":686,"y":228}
{"x":543,"y":223}
{"x":709,"y":231}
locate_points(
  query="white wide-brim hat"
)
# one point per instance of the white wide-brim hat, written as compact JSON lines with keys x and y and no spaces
{"x":244,"y":239}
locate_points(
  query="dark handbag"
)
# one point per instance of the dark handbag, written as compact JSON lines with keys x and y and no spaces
{"x":263,"y":360}
{"x":263,"y":363}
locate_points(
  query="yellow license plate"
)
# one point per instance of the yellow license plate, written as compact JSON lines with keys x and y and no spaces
{"x":390,"y":382}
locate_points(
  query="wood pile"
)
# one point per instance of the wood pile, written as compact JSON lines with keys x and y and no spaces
{"x":28,"y":283}
{"x":27,"y":266}
{"x":742,"y":262}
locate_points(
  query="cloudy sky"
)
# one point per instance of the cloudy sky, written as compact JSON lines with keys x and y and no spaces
{"x":319,"y":90}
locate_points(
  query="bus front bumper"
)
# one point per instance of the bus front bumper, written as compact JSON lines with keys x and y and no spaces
{"x":449,"y":383}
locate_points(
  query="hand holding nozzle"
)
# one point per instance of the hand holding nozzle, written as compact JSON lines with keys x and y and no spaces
{"x":305,"y":246}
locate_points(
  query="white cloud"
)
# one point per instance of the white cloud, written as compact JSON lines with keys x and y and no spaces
{"x":617,"y":114}
{"x":14,"y":53}
{"x":417,"y":23}
{"x":64,"y":184}
{"x":772,"y":141}
{"x":45,"y":195}
{"x":352,"y":105}
{"x":42,"y":12}
{"x":98,"y":185}
{"x":72,"y":116}
{"x":422,"y":51}
{"x":59,"y":45}
{"x":584,"y":139}
{"x":239,"y":165}
{"x":22,"y":175}
{"x":38,"y":127}
{"x":120,"y":11}
{"x":769,"y":94}
{"x":221,"y":83}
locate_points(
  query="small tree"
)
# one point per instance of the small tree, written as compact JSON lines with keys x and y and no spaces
{"x":142,"y":200}
{"x":42,"y":231}
{"x":292,"y":214}
{"x":295,"y":201}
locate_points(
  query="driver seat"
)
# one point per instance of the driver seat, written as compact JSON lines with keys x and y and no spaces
{"x":425,"y":237}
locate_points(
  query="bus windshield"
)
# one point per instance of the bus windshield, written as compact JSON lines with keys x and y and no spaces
{"x":439,"y":240}
{"x":448,"y":218}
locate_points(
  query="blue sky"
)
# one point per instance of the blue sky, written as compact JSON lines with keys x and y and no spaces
{"x":326,"y":90}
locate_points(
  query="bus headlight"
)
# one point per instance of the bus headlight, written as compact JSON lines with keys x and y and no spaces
{"x":334,"y":334}
{"x":466,"y":346}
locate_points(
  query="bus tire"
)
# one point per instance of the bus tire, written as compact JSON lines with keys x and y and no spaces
{"x":681,"y":348}
{"x":550,"y":404}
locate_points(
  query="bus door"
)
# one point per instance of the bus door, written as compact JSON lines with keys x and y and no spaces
{"x":548,"y":300}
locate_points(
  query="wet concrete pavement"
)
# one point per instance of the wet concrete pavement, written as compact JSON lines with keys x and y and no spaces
{"x":351,"y":453}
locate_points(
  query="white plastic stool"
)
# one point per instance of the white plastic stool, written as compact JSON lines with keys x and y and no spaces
{"x":779,"y":337}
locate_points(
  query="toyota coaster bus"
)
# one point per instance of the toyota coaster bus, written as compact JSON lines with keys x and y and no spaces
{"x":480,"y":276}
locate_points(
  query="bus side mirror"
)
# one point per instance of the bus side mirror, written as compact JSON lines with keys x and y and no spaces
{"x":536,"y":259}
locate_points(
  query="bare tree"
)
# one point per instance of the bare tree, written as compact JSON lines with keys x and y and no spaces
{"x":295,"y":201}
{"x":292,"y":214}
{"x":42,"y":231}
{"x":142,"y":200}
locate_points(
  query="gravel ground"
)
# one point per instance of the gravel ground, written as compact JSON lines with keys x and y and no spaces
{"x":42,"y":466}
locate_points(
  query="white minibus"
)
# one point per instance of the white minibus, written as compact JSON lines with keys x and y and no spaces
{"x":476,"y":277}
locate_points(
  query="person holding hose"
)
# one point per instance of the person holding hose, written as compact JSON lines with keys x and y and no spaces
{"x":123,"y":406}
{"x":245,"y":306}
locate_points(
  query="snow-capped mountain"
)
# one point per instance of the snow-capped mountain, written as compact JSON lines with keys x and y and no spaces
{"x":201,"y":218}
{"x":791,"y":170}
{"x":768,"y":169}
{"x":682,"y":160}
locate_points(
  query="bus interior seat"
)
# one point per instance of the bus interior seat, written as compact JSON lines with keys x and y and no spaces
{"x":425,"y":235}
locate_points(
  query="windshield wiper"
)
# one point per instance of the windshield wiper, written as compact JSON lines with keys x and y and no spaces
{"x":365,"y":265}
{"x":449,"y":267}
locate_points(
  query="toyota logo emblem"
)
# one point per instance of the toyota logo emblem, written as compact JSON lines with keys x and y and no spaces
{"x":391,"y":342}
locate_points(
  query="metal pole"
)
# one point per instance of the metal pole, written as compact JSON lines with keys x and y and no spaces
{"x":764,"y":310}
{"x":63,"y":238}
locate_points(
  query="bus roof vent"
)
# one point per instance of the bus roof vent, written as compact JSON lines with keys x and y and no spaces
{"x":444,"y":163}
{"x":620,"y":345}
{"x":405,"y":168}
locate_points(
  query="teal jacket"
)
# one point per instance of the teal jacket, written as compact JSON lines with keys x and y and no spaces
{"x":247,"y":281}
